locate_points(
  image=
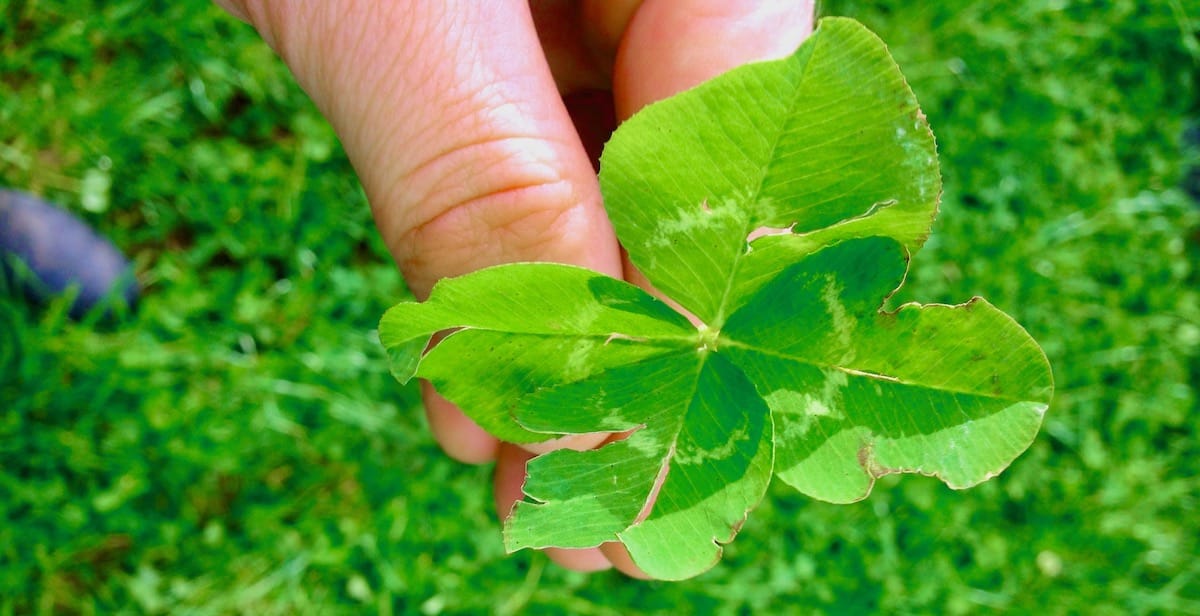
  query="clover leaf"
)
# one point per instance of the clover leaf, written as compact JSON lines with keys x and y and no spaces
{"x":779,"y":205}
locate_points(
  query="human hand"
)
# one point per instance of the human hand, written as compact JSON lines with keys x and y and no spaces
{"x":470,"y":125}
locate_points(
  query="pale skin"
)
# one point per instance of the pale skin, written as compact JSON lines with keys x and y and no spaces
{"x":457,"y":117}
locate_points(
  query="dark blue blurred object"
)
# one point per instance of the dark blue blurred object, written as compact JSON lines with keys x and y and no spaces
{"x":44,"y":250}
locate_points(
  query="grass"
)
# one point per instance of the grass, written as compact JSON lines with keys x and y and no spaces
{"x":237,"y":446}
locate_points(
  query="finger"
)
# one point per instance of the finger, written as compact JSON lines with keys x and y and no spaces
{"x":618,"y":556}
{"x":509,"y":477}
{"x":672,"y":45}
{"x":452,"y":120}
{"x":461,"y":438}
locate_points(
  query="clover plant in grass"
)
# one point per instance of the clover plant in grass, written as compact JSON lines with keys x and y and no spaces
{"x":779,"y":205}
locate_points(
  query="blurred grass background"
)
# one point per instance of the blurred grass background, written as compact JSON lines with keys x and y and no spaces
{"x":237,"y":445}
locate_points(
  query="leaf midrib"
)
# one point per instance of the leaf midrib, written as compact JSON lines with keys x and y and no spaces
{"x":855,"y":372}
{"x":684,"y":340}
{"x":664,"y":469}
{"x":719,"y":320}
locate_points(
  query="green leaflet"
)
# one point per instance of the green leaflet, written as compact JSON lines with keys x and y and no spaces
{"x":829,"y":142}
{"x":521,"y":327}
{"x":706,"y":431}
{"x":796,"y":369}
{"x":856,"y":393}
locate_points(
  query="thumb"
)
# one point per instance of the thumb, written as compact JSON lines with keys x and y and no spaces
{"x":453,"y":122}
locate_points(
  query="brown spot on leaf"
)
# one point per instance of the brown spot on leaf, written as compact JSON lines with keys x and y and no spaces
{"x":866,"y":459}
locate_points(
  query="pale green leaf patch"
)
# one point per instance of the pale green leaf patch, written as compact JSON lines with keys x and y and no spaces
{"x":780,"y":205}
